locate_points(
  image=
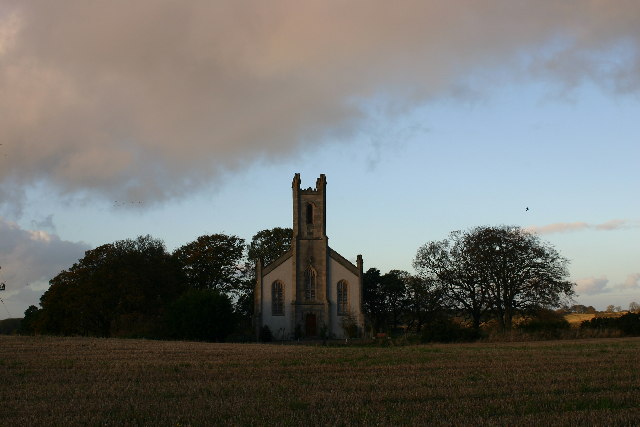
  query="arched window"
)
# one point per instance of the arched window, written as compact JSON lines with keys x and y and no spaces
{"x":309,"y":284}
{"x":343,"y":297}
{"x":309,"y":213}
{"x":277,"y":298}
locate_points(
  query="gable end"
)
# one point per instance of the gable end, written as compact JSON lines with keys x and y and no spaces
{"x":343,"y":261}
{"x":269,"y":268}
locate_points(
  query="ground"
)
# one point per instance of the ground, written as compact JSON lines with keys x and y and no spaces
{"x":80,"y":381}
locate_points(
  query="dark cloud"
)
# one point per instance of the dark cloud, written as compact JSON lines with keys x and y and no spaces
{"x":144,"y":100}
{"x":29,"y":259}
{"x":45,"y":224}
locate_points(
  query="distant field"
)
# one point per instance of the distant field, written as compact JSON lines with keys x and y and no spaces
{"x":87,"y":381}
{"x":576,"y":318}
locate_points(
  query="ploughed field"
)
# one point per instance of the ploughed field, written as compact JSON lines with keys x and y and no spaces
{"x":89,"y":381}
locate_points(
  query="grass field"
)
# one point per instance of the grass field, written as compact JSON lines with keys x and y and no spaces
{"x":575,"y":319}
{"x":86,"y":381}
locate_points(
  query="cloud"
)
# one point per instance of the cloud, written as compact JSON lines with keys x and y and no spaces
{"x":28,"y":260}
{"x":146,"y":100}
{"x":559,"y":227}
{"x":592,"y":285}
{"x":631,"y":283}
{"x":44,"y":224}
{"x":614,"y":224}
{"x":598,"y":285}
{"x":562,"y":227}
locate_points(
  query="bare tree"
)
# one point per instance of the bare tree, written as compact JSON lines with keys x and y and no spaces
{"x":503,"y":270}
{"x":519,"y":270}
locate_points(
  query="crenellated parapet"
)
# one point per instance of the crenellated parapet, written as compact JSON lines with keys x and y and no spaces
{"x":296,"y":182}
{"x":321,"y":185}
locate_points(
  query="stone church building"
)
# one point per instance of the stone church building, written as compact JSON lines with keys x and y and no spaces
{"x":311,"y":291}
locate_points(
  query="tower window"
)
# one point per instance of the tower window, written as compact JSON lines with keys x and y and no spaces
{"x":309,"y":213}
{"x":343,"y":297}
{"x":277,"y":298}
{"x":309,"y":284}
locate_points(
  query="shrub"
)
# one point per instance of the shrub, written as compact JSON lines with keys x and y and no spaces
{"x":545,"y":321}
{"x":265,"y":334}
{"x":10,"y":326}
{"x":349,"y":325}
{"x":598,"y":323}
{"x":446,"y":330}
{"x":628,"y":324}
{"x":204,"y":315}
{"x":297,"y":334}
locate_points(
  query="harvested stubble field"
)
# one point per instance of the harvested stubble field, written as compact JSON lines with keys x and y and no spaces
{"x":87,"y":381}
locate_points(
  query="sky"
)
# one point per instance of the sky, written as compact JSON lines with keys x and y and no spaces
{"x":180,"y":119}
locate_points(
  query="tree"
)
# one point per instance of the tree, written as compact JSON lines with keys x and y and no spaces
{"x":213,"y":262}
{"x":384,"y":297}
{"x":269,"y":245}
{"x":634,"y":307}
{"x":449,"y":265}
{"x":519,"y":270}
{"x":394,"y":291}
{"x":581,"y":309}
{"x":28,"y":325}
{"x":424,"y":301}
{"x":116,"y":289}
{"x":499,"y":270}
{"x":373,"y":301}
{"x":201,"y":314}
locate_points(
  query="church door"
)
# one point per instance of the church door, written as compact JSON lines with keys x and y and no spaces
{"x":310,"y":325}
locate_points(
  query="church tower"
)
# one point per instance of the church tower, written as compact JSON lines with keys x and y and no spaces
{"x":311,"y":291}
{"x":310,"y":254}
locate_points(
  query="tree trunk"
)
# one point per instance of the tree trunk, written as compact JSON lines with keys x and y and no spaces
{"x":476,"y":322}
{"x":508,"y":316}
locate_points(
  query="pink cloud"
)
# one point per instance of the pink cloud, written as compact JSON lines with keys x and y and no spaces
{"x":632,"y":282}
{"x":592,"y":285}
{"x":614,"y":224}
{"x":563,"y":227}
{"x":156,"y":106}
{"x":559,"y":227}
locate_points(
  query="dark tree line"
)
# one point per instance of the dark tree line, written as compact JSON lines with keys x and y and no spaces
{"x":486,"y":273}
{"x":204,"y":289}
{"x":136,"y":288}
{"x":399,"y":299}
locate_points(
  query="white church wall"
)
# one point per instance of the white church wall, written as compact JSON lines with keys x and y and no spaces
{"x":339,"y":272}
{"x":280,"y":325}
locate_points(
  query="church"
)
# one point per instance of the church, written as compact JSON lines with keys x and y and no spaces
{"x":310,"y":291}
